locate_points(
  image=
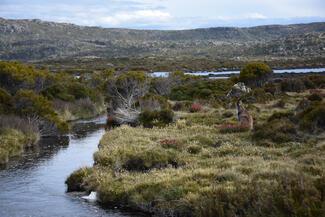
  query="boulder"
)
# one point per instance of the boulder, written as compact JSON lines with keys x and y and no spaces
{"x":238,"y":90}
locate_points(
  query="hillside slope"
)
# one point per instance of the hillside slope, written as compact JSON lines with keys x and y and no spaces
{"x":39,"y":40}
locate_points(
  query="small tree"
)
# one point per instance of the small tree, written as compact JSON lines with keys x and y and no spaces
{"x":125,"y":91}
{"x":255,"y":74}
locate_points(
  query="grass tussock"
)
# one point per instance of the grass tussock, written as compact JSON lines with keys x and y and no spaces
{"x":191,"y":168}
{"x":13,"y":142}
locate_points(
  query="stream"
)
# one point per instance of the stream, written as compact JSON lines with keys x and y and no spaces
{"x":33,"y":185}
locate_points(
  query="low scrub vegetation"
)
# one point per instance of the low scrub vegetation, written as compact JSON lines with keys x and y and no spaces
{"x":36,"y":103}
{"x":204,"y":164}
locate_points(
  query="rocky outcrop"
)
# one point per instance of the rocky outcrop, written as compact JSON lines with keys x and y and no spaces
{"x":238,"y":90}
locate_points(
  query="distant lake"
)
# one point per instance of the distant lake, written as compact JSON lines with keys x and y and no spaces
{"x":226,"y":74}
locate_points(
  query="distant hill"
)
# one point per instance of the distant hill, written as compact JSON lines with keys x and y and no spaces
{"x":40,"y":40}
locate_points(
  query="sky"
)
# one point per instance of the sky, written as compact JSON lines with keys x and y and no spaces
{"x":166,"y":14}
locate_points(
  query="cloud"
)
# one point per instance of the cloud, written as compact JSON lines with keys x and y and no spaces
{"x":165,"y":14}
{"x":142,"y":16}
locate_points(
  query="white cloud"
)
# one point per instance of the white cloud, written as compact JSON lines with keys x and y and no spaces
{"x":165,"y":14}
{"x":255,"y":16}
{"x":148,"y":16}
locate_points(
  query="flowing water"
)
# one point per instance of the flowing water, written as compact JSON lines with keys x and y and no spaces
{"x":33,"y":185}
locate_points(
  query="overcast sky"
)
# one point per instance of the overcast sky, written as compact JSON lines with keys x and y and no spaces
{"x":166,"y":14}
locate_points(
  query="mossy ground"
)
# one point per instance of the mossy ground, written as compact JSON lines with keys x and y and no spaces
{"x":189,"y":168}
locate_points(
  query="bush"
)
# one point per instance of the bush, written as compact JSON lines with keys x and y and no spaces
{"x":151,"y":159}
{"x":313,"y":117}
{"x":5,"y":101}
{"x":196,"y":107}
{"x":278,"y":131}
{"x":280,"y":104}
{"x":76,"y":181}
{"x":156,"y":118}
{"x":255,"y":74}
{"x":292,"y":85}
{"x":201,"y":89}
{"x":258,"y":95}
{"x":182,"y":106}
{"x":28,"y":103}
{"x":152,"y":102}
{"x":315,"y":97}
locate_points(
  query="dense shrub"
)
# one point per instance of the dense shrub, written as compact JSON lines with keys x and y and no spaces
{"x":156,"y":118}
{"x":313,"y":117}
{"x":75,"y":182}
{"x":201,"y":89}
{"x":315,"y":97}
{"x":5,"y":101}
{"x":258,"y":95}
{"x":276,"y":130}
{"x":15,"y":76}
{"x":280,"y":104}
{"x":255,"y":74}
{"x":28,"y":103}
{"x":151,"y":159}
{"x":182,"y":106}
{"x":152,"y":102}
{"x":292,"y":85}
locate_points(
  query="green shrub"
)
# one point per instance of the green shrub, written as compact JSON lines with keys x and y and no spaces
{"x":27,"y":102}
{"x":152,"y":102}
{"x":150,"y":159}
{"x":76,"y":181}
{"x":258,"y":95}
{"x":15,"y":76}
{"x":182,"y":106}
{"x":255,"y":74}
{"x":5,"y":101}
{"x":315,"y":97}
{"x":292,"y":85}
{"x":201,"y":89}
{"x":156,"y":118}
{"x":313,"y":118}
{"x":276,"y":130}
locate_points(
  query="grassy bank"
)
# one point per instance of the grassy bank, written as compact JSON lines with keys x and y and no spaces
{"x":13,"y":142}
{"x":195,"y":168}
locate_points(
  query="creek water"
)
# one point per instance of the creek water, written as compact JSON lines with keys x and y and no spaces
{"x":33,"y":185}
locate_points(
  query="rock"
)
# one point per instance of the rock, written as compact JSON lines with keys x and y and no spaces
{"x":238,"y":90}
